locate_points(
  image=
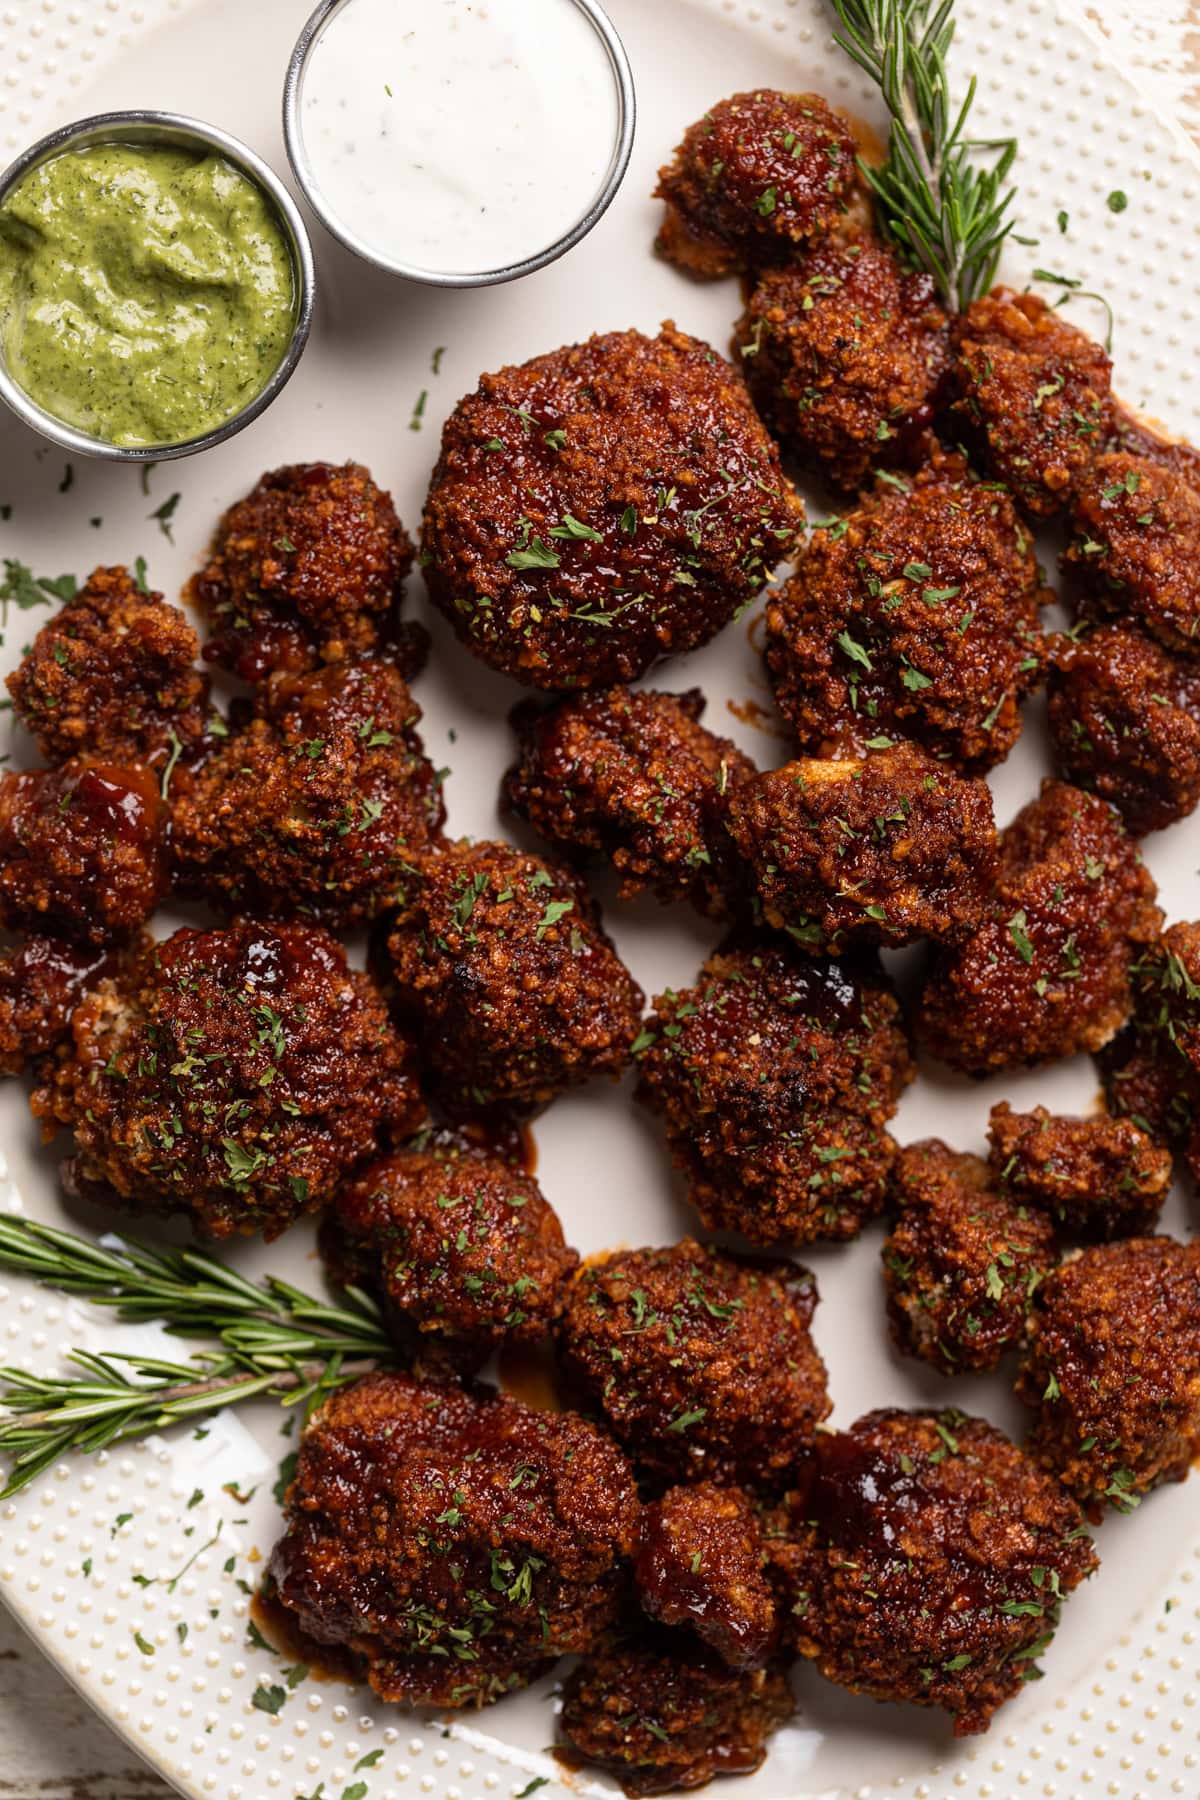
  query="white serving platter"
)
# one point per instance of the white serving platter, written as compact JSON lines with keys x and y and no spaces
{"x":1119,"y":1710}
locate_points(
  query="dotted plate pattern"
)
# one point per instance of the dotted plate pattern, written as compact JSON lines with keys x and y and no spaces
{"x":134,"y":1570}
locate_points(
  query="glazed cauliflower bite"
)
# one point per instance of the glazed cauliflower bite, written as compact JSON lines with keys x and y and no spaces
{"x":498,"y":962}
{"x":453,"y":1544}
{"x":602,"y":507}
{"x":111,"y":676}
{"x":700,"y":1362}
{"x":82,"y":850}
{"x":1048,"y":973}
{"x":758,"y":178}
{"x":1095,"y":1178}
{"x":702,"y":1565}
{"x":914,"y":617}
{"x":1125,"y":723}
{"x":1134,"y":549}
{"x":961,"y":1260}
{"x":635,"y":776}
{"x":664,"y":1715}
{"x":1113,"y":1369}
{"x":1151,"y":1070}
{"x":929,"y":1562}
{"x":308,"y":568}
{"x":313,"y":806}
{"x":882,"y":849}
{"x":464,"y":1251}
{"x":233,"y":1076}
{"x":1033,"y":397}
{"x":846,"y":358}
{"x":42,"y":980}
{"x":775,"y":1076}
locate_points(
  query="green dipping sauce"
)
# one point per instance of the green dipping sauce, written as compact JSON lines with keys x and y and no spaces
{"x":147,"y":293}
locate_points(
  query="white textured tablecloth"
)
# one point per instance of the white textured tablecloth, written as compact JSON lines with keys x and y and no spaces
{"x":1158,"y":43}
{"x":52,"y":1746}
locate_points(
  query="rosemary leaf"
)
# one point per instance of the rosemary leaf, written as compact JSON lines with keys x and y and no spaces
{"x":945,"y":212}
{"x":267,"y":1340}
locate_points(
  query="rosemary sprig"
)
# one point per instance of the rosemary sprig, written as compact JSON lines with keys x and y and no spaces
{"x":270,"y":1340}
{"x":944,"y":213}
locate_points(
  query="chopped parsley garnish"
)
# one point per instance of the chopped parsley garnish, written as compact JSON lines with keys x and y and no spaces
{"x":1120,"y":1490}
{"x":243,"y":1164}
{"x":686,"y":1419}
{"x":1020,"y":936}
{"x":853,"y":649}
{"x":555,"y":910}
{"x":27,"y":589}
{"x":575,"y":528}
{"x":164,"y":514}
{"x":464,"y":905}
{"x":269,"y":1699}
{"x":534,"y":555}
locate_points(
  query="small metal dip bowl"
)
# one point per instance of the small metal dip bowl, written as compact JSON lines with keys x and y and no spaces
{"x":293,"y":133}
{"x":175,"y":131}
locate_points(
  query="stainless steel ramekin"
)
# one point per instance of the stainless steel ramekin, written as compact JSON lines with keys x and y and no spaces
{"x":173,"y":129}
{"x":605,"y":30}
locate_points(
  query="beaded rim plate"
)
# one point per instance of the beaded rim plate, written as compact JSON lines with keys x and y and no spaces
{"x":134,"y":1571}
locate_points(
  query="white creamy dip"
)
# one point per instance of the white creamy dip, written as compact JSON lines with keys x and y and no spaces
{"x":458,"y":136}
